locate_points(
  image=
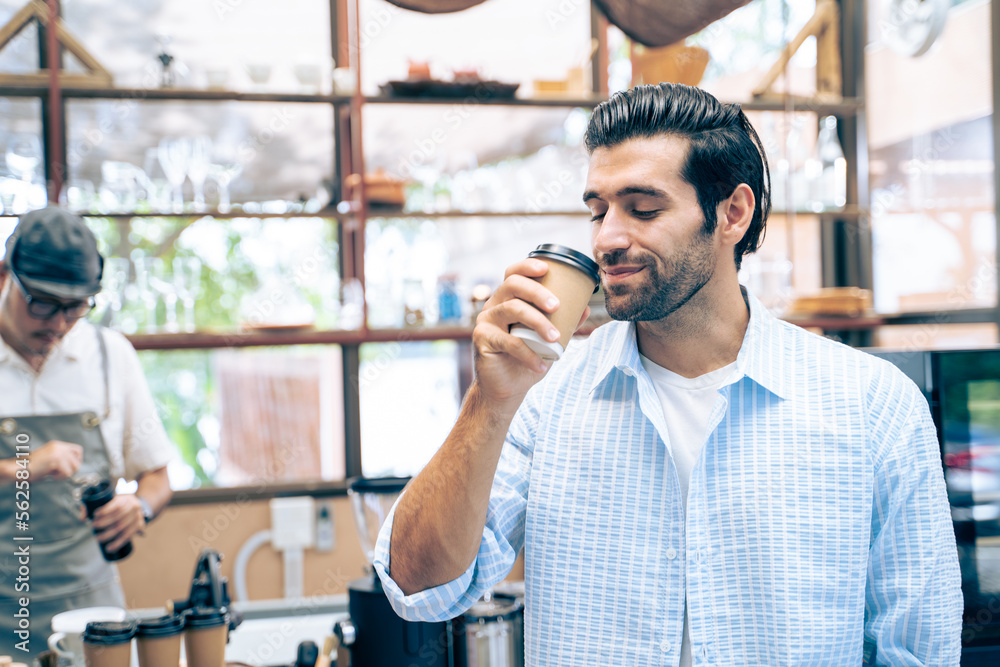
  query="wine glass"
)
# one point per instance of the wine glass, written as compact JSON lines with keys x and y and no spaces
{"x":113,"y":282}
{"x":187,"y":282}
{"x":174,"y":155}
{"x":24,"y":154}
{"x":78,"y":195}
{"x":154,"y":282}
{"x":147,"y":293}
{"x":162,"y":281}
{"x":226,"y":166}
{"x":10,"y":188}
{"x":197,"y":168}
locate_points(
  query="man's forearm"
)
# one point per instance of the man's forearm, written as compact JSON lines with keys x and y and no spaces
{"x":438,"y":524}
{"x":154,"y":488}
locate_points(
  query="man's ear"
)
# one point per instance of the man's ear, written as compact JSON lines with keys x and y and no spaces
{"x":736,"y":213}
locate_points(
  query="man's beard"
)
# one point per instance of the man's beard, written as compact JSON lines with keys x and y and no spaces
{"x":668,"y":284}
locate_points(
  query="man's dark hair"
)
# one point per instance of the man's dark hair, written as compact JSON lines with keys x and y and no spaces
{"x":724,"y":148}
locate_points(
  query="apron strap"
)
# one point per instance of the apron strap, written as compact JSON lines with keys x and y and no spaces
{"x":105,"y":366}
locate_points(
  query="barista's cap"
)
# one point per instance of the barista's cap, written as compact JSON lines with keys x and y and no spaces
{"x":53,"y":252}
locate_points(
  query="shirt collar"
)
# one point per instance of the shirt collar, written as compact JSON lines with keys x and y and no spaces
{"x":72,"y":346}
{"x":761,"y":357}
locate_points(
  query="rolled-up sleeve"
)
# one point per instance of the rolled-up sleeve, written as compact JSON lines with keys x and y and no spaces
{"x":914,"y":598}
{"x":503,"y":535}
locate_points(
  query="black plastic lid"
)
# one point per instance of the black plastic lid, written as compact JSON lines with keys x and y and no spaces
{"x":161,"y":626}
{"x":566,"y":255}
{"x":206,"y":617}
{"x":97,"y":495}
{"x":109,"y":632}
{"x":377,"y":484}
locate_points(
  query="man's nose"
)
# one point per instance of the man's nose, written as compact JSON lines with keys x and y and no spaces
{"x":60,"y":321}
{"x":612,"y":233}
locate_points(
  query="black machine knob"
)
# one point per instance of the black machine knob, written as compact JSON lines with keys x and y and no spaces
{"x":346,"y":632}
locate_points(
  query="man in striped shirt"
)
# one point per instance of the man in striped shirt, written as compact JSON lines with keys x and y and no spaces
{"x":698,"y":482}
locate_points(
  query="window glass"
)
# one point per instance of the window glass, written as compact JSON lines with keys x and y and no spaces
{"x":931,"y":164}
{"x":744,"y":45}
{"x":22,"y":177}
{"x":285,"y":45}
{"x":409,"y":403}
{"x":426,"y":271}
{"x":787,"y":265}
{"x":516,"y":41}
{"x":184,"y":274}
{"x":20,"y":54}
{"x":250,"y":417}
{"x":467,"y":156}
{"x":131,"y":155}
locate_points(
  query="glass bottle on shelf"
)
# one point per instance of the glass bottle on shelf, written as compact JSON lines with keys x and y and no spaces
{"x":800,"y":168}
{"x":830,"y":187}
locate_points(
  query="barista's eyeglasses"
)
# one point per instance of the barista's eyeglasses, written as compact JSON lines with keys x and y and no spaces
{"x":44,"y":309}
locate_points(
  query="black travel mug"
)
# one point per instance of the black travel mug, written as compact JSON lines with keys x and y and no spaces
{"x":97,"y":496}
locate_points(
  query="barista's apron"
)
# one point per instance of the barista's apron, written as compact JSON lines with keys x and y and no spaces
{"x":63,"y":568}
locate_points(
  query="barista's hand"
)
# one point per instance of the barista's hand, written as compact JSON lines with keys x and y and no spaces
{"x":505,"y":367}
{"x":55,"y":460}
{"x":119,"y":521}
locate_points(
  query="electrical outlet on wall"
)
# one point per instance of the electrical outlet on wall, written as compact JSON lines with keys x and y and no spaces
{"x":293,"y":523}
{"x":326,"y":534}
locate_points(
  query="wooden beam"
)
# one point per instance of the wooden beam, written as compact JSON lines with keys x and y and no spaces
{"x":41,"y":78}
{"x":17,"y":23}
{"x":820,"y":24}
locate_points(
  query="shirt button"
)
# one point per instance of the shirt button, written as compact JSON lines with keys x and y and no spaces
{"x":671,"y":553}
{"x":665,"y":646}
{"x":627,"y":371}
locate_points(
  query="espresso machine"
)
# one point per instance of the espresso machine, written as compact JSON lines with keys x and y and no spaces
{"x":374,"y":635}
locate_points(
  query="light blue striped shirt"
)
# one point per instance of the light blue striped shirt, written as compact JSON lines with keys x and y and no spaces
{"x":817,"y":517}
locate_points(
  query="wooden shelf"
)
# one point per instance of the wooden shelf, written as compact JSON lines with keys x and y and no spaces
{"x":170,"y":94}
{"x":848,"y":213}
{"x":556,"y":102}
{"x":834,"y":323}
{"x":325,"y":213}
{"x":846,"y":106}
{"x":209,"y":340}
{"x":474,"y":214}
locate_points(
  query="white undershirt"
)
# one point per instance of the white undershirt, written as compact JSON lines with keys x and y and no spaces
{"x":687,"y":407}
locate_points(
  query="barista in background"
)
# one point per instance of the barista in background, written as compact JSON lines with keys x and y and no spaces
{"x":699,"y":482}
{"x":77,"y":395}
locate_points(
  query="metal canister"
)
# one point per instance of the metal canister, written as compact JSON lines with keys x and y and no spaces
{"x":493,"y":633}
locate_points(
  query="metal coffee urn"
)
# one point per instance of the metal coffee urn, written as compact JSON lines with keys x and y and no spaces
{"x":374,"y":635}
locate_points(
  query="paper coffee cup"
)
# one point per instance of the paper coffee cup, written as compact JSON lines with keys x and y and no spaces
{"x":68,"y":626}
{"x":573,"y":278}
{"x":158,"y":641}
{"x":108,"y":643}
{"x":205,"y":633}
